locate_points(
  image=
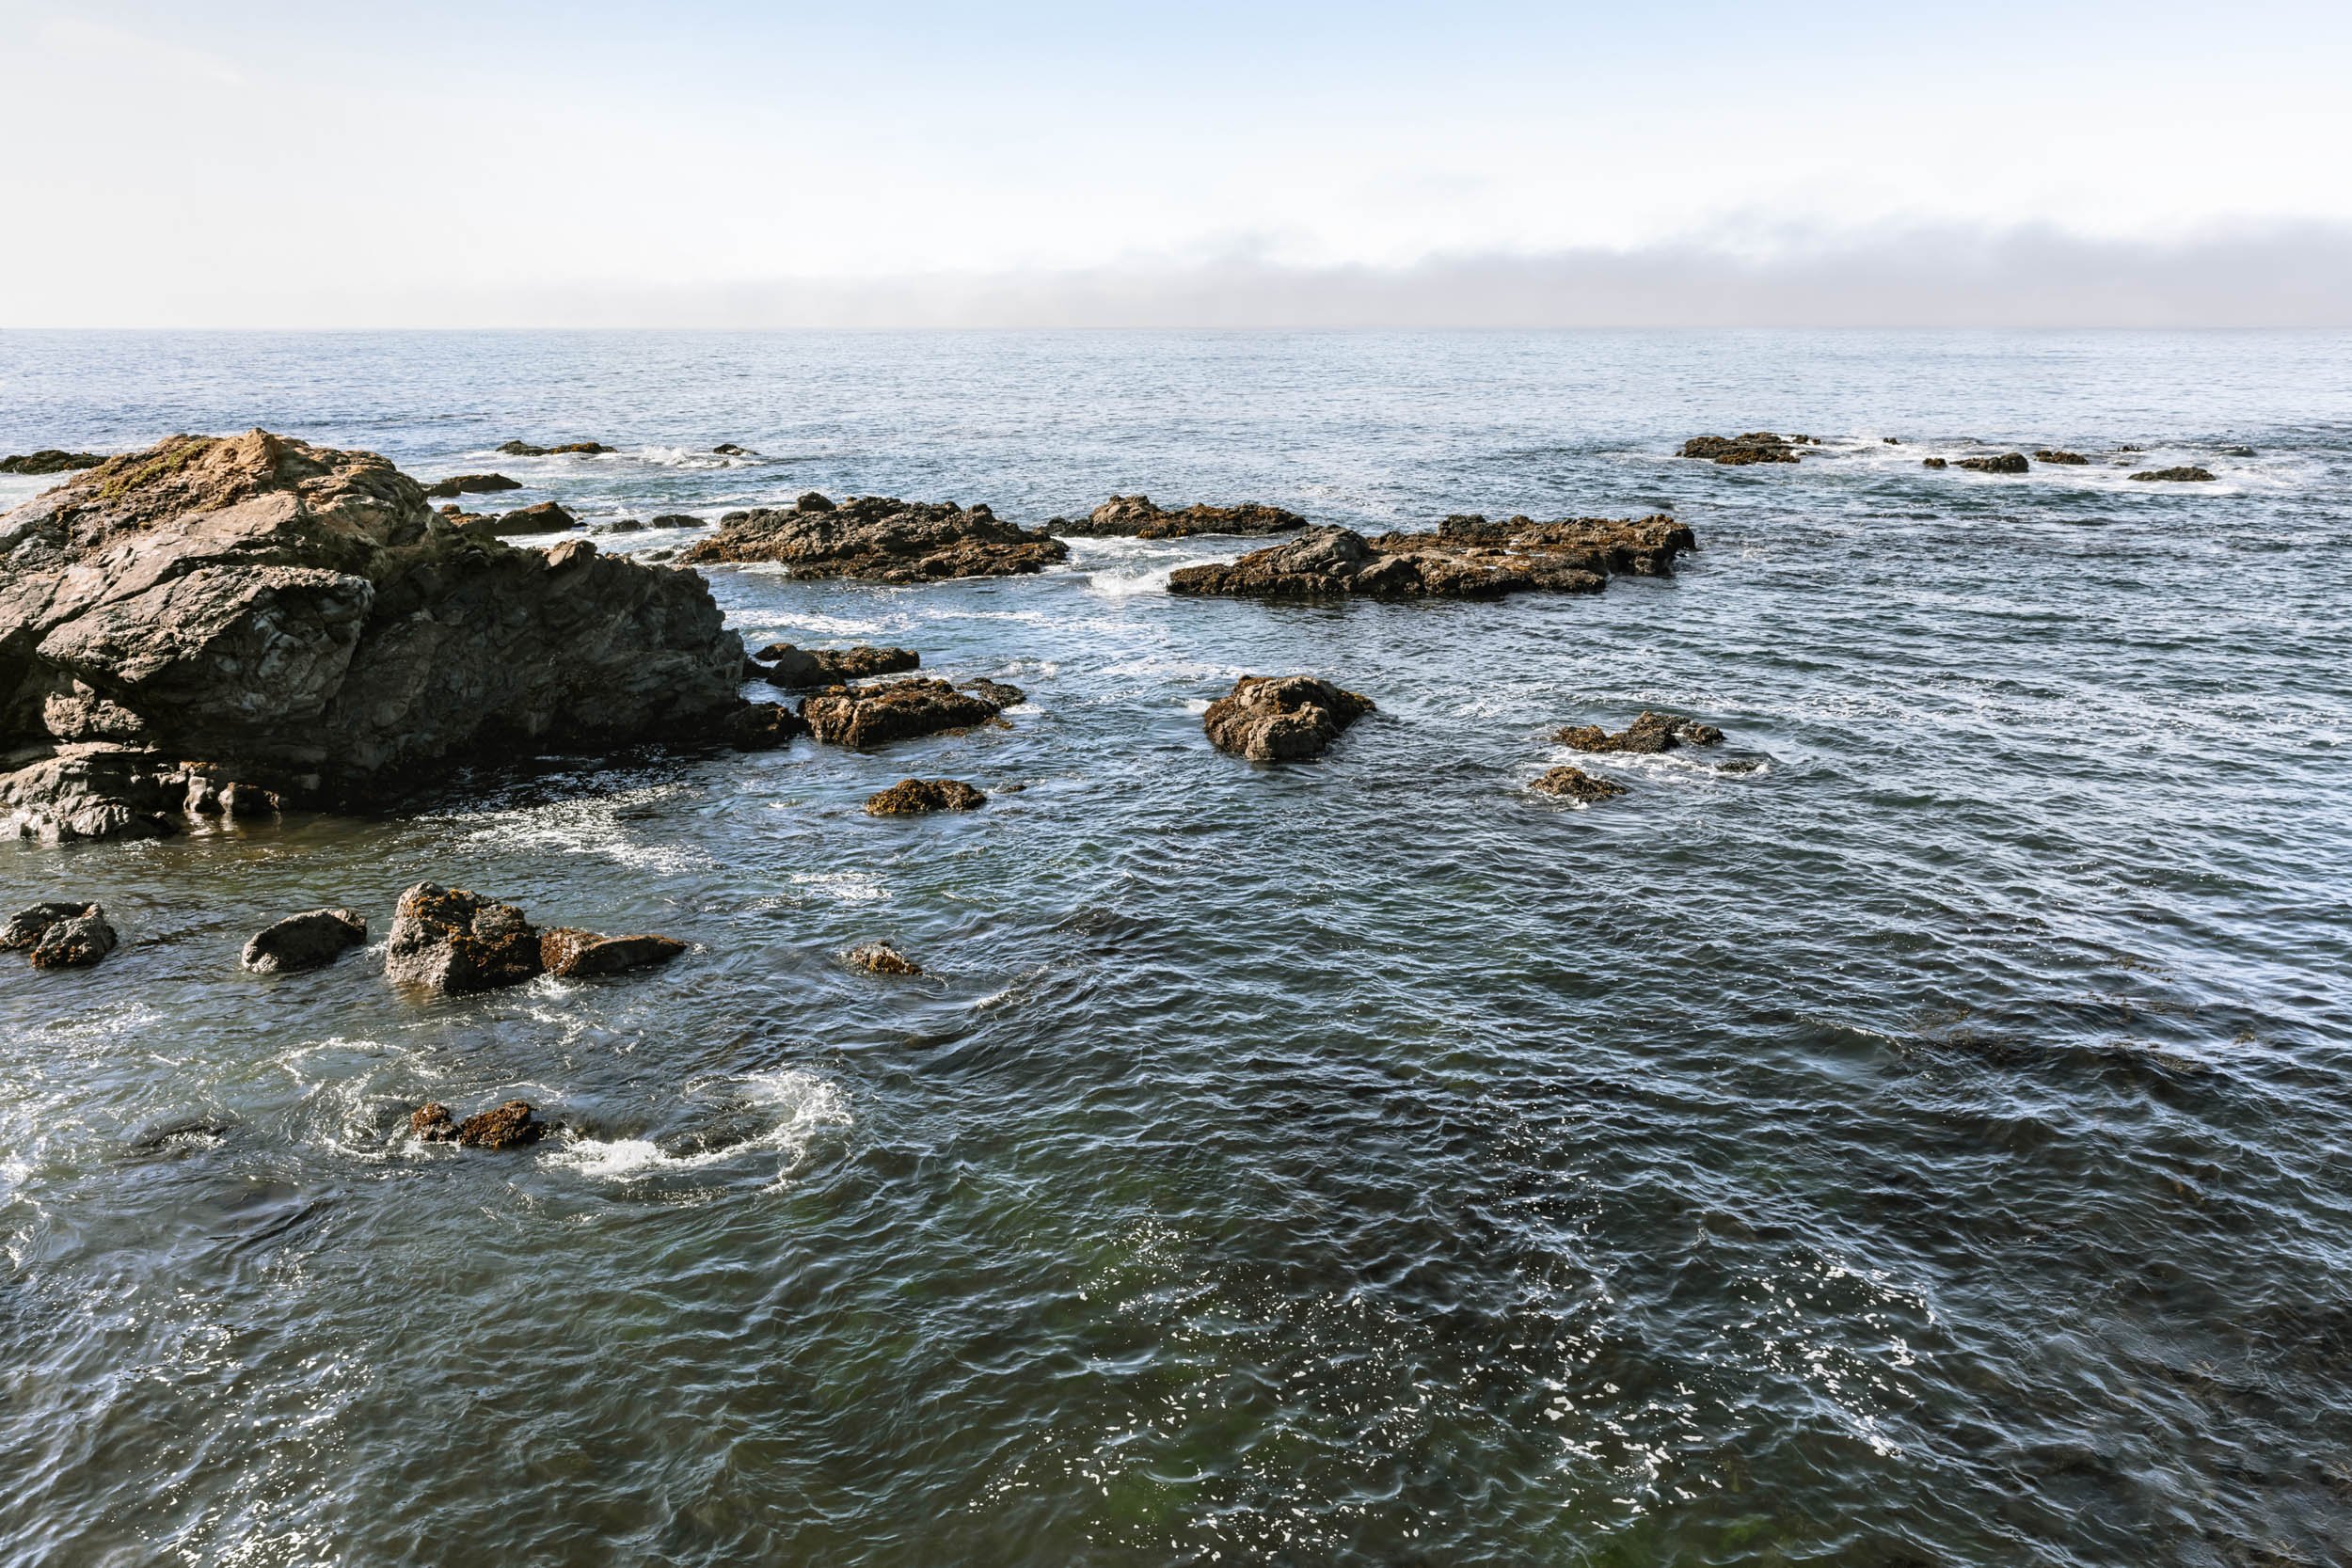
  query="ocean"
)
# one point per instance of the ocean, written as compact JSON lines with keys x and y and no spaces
{"x":1914,"y":1132}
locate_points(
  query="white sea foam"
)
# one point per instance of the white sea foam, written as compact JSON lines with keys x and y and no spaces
{"x":844,"y":887}
{"x":805,"y":1104}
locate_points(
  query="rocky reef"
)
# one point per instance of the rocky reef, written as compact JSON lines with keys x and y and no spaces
{"x":880,"y":958}
{"x":881,"y":539}
{"x":50,"y":460}
{"x":1137,"y":518}
{"x":2007,"y":463}
{"x":299,"y":622}
{"x":914,"y":796}
{"x":449,"y":940}
{"x":510,"y":1124}
{"x":1468,"y":557}
{"x":863,"y":716}
{"x":1738,"y":451}
{"x":2174,"y":476}
{"x":2061,"y":459}
{"x":1281,"y":718}
{"x":468,"y":484}
{"x":793,"y":668}
{"x":570,"y":449}
{"x":1649,"y":734}
{"x":1574,"y":784}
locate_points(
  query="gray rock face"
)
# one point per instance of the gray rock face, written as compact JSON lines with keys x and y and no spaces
{"x":311,"y":940}
{"x":297,"y":618}
{"x":449,"y":940}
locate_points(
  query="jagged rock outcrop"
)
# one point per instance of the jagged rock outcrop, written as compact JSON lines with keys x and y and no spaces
{"x":1281,"y":718}
{"x":880,"y":539}
{"x":299,"y":620}
{"x":794,"y":668}
{"x":1649,"y":734}
{"x":310,"y":939}
{"x":468,"y":484}
{"x":1738,"y":451}
{"x":880,"y":958}
{"x":913,"y":797}
{"x":449,"y":940}
{"x":570,"y":449}
{"x":570,"y":952}
{"x":1574,"y":784}
{"x":863,"y":716}
{"x":1468,"y":557}
{"x":59,"y":935}
{"x":50,"y":460}
{"x":2190,"y":475}
{"x":2007,"y":463}
{"x":510,"y":1125}
{"x":1137,"y":518}
{"x":2061,"y":459}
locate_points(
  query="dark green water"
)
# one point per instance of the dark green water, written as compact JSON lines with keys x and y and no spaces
{"x":1931,"y":1146}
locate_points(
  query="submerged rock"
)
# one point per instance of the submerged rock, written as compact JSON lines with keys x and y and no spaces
{"x":1933,"y":462}
{"x":570,"y":953}
{"x":1648,"y":735}
{"x":50,"y":460}
{"x":1468,"y":557}
{"x":2062,"y":459}
{"x":1137,"y":518}
{"x":581,"y":449}
{"x":59,"y":935}
{"x":310,"y":939}
{"x":792,"y":666}
{"x":728,"y":449}
{"x":467,"y":484}
{"x":881,"y":540}
{"x":1003,"y":693}
{"x":2236,"y":452}
{"x":1735,"y":451}
{"x":864,"y":716}
{"x":2175,"y":475}
{"x":297,"y":618}
{"x":911,"y":796}
{"x":882,"y":959}
{"x":2007,"y":463}
{"x":1281,"y":718}
{"x":1574,"y":784}
{"x":449,"y":940}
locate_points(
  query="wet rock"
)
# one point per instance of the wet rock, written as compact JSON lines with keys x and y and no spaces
{"x":879,"y":539}
{"x":1281,"y":718}
{"x":510,"y":1125}
{"x":882,"y":959}
{"x":449,"y":940}
{"x":2131,"y":449}
{"x":2238,"y":451}
{"x":865,"y":715}
{"x":2174,"y":476}
{"x":911,"y":797}
{"x":545,"y":518}
{"x":764,"y":726}
{"x":793,"y":668}
{"x":1003,"y":693}
{"x":2007,"y":463}
{"x":1736,"y":452}
{"x":431,"y":1122}
{"x":308,"y":940}
{"x":728,"y":449}
{"x":1648,"y":734}
{"x":2064,"y":459}
{"x":619,"y":524}
{"x":579,"y":449}
{"x":50,"y":460}
{"x":1468,"y":557}
{"x":1890,"y":440}
{"x":1933,"y":462}
{"x":1137,"y":518}
{"x":676,"y":519}
{"x":1574,"y":784}
{"x":301,"y":619}
{"x":59,"y":935}
{"x":467,"y":484}
{"x":571,"y":953}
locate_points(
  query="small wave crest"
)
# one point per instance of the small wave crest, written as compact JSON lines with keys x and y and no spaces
{"x":801,"y":1105}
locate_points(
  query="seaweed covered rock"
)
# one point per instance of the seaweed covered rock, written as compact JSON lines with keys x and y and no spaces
{"x":50,"y":460}
{"x":1738,"y":451}
{"x":790,"y":667}
{"x":881,"y":539}
{"x":310,"y":939}
{"x":1933,"y":462}
{"x":2189,"y":475}
{"x":1574,"y":784}
{"x":1137,"y":518}
{"x":571,"y":953}
{"x":59,"y":935}
{"x":449,"y":940}
{"x":298,"y":619}
{"x":570,"y":449}
{"x":913,"y":797}
{"x":1649,"y":734}
{"x":468,"y":484}
{"x":2007,"y":463}
{"x":1281,"y":718}
{"x":2061,"y":459}
{"x":865,"y":715}
{"x":509,"y":1125}
{"x":880,"y":958}
{"x":1467,"y":557}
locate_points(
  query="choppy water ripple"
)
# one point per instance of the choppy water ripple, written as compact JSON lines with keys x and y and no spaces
{"x":1923,"y":1143}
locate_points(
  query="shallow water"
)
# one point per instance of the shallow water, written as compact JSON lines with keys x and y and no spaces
{"x":1930,"y":1144}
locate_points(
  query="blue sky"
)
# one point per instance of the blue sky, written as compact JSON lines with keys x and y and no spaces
{"x":447,"y":164}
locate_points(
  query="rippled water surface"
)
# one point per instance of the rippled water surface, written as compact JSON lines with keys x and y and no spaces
{"x":1927,"y":1145}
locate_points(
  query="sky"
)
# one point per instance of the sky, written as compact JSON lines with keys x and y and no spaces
{"x":271,"y":164}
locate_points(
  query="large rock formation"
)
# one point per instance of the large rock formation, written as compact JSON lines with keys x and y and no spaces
{"x":449,"y":940}
{"x":1465,"y":558}
{"x":862,"y":716}
{"x":1137,"y":518}
{"x":1738,"y":451}
{"x":297,"y":620}
{"x":1281,"y":718}
{"x":881,"y":540}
